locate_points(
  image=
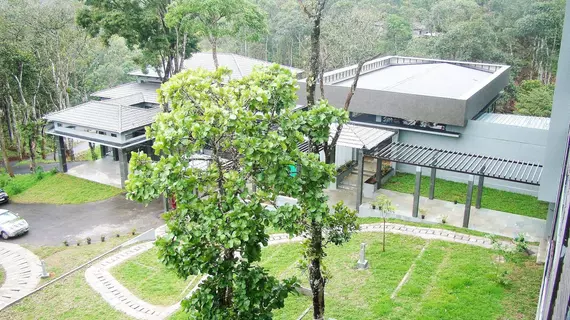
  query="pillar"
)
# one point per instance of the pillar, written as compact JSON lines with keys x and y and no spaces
{"x":123,"y":165}
{"x":116,"y":154}
{"x":479,"y":192}
{"x":61,"y":154}
{"x":104,"y":151}
{"x":467,"y":213}
{"x":416,"y":206}
{"x":165,"y":204}
{"x":432,"y":184}
{"x":360,"y":182}
{"x":378,"y":173}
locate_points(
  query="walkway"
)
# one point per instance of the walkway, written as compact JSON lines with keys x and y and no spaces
{"x":484,"y":220}
{"x":22,"y":275}
{"x":105,"y":171}
{"x":120,"y":298}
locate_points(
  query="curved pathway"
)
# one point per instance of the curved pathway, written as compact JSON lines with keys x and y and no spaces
{"x":120,"y":298}
{"x":23,"y":269}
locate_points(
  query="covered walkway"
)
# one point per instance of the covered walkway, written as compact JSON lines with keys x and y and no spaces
{"x":484,"y":220}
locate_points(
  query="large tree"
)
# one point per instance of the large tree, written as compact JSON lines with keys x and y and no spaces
{"x":143,"y":25}
{"x":216,"y":19}
{"x":219,"y":224}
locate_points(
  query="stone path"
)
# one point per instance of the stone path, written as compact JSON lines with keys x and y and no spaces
{"x":120,"y":298}
{"x":22,"y":269}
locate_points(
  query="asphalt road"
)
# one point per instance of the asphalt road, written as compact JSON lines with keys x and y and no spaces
{"x":52,"y":224}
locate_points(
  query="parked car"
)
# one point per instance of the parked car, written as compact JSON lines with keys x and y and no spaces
{"x":12,"y":225}
{"x":3,"y":196}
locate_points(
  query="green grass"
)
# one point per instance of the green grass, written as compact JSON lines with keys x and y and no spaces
{"x":449,"y":281}
{"x":39,"y":161}
{"x":454,"y":191}
{"x":66,"y":189}
{"x":147,"y":278}
{"x":2,"y":276}
{"x":87,"y":156}
{"x":22,"y":182}
{"x":72,"y":297}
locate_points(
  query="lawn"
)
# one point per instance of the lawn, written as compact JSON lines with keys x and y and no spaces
{"x":65,"y":189}
{"x":72,"y":297}
{"x":2,"y":276}
{"x":147,"y":278}
{"x":449,"y":281}
{"x":454,"y":191}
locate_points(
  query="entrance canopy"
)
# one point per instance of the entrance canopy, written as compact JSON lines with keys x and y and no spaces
{"x":360,"y":137}
{"x":473,"y":164}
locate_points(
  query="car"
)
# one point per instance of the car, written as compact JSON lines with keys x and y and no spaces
{"x":11,"y":224}
{"x":3,"y":196}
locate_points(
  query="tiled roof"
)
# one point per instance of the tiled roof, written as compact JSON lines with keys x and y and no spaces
{"x":146,"y":89}
{"x":360,"y":137}
{"x":106,"y":116}
{"x":239,"y":65}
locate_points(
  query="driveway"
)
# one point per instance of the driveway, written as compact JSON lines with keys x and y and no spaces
{"x":52,"y":224}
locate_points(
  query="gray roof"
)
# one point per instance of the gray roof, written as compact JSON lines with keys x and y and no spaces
{"x":105,"y":116}
{"x":360,"y":137}
{"x":516,"y":120}
{"x":146,"y":89}
{"x":434,"y":79}
{"x":239,"y":65}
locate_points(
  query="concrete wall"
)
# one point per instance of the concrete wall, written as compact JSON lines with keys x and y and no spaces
{"x":487,"y":139}
{"x":343,"y":155}
{"x":560,"y":120}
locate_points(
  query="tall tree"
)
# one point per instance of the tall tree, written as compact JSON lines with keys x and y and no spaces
{"x":219,"y":224}
{"x":143,"y":25}
{"x":215,"y":19}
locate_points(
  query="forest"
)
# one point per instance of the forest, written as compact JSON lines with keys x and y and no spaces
{"x":55,"y":53}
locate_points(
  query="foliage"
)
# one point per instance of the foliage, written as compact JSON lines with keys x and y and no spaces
{"x":143,"y":25}
{"x":534,"y":99}
{"x":20,"y":183}
{"x":385,"y":206}
{"x":521,"y":243}
{"x":250,"y":126}
{"x":216,"y":19}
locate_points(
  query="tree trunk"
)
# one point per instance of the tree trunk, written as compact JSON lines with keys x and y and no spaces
{"x":92,"y":149}
{"x":5,"y":154}
{"x":314,"y":60}
{"x":316,"y":280}
{"x":32,"y":146}
{"x":69,"y":150}
{"x":214,"y":44}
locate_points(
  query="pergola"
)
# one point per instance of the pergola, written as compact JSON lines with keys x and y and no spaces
{"x":450,"y":160}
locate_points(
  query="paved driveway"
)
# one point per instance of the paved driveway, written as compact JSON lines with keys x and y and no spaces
{"x":52,"y":224}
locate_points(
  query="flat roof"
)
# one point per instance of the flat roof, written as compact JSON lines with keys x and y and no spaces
{"x":531,"y":122}
{"x":105,"y":116}
{"x":435,"y":79}
{"x":240,"y":66}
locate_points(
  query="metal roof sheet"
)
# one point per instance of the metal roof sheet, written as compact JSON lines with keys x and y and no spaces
{"x":516,"y":120}
{"x":360,"y":137}
{"x":106,"y":116}
{"x":239,"y":65}
{"x":433,"y":79}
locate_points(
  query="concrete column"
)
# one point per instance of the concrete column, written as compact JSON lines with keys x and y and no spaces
{"x":360,"y":183}
{"x":432,"y":184}
{"x":479,"y":192}
{"x":116,"y":154}
{"x":103,"y":151}
{"x":165,"y":204}
{"x":416,"y":206}
{"x":378,"y":173}
{"x":123,"y":165}
{"x":61,"y":154}
{"x":467,"y":212}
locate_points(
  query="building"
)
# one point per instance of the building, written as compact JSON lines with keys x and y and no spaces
{"x":117,"y":118}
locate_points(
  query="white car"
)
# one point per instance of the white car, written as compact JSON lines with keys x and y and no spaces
{"x":12,"y":225}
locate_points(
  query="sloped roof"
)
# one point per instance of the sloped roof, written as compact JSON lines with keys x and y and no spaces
{"x":106,"y":116}
{"x":516,"y":120}
{"x":360,"y":137}
{"x":239,"y":65}
{"x":146,"y":89}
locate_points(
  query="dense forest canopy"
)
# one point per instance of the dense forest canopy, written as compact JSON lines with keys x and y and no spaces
{"x":55,"y":53}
